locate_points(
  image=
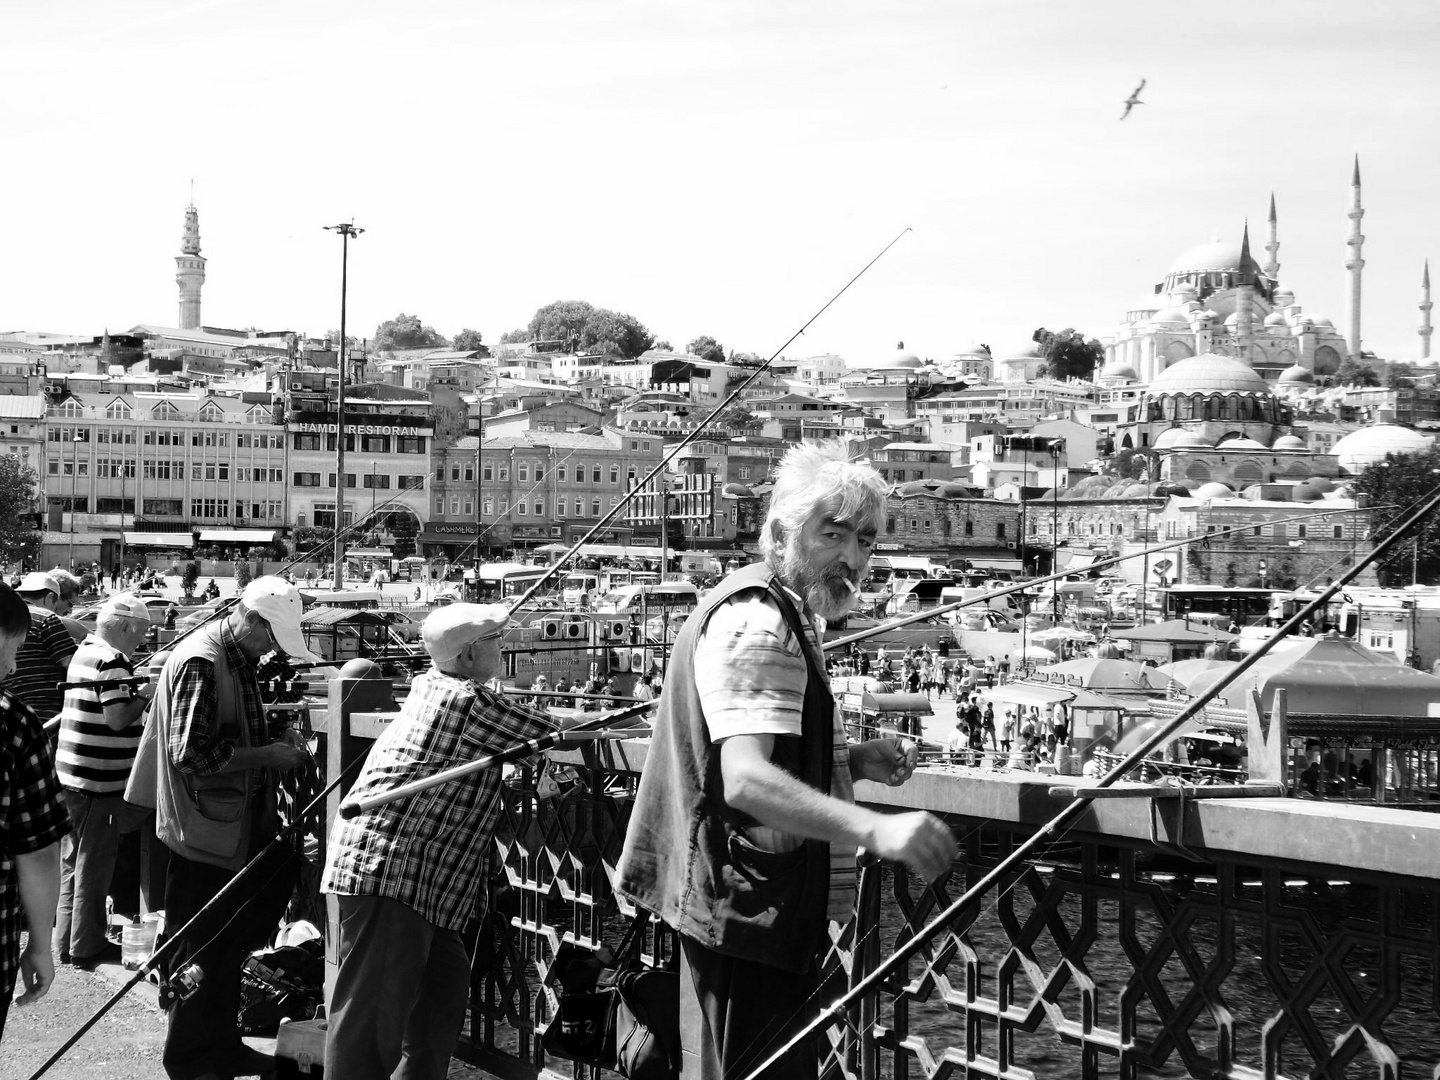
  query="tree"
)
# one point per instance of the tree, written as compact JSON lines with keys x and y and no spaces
{"x":407,"y":332}
{"x":1392,"y":489}
{"x":515,"y":337}
{"x":190,"y":577}
{"x":663,"y":346}
{"x":405,"y":527}
{"x":1398,"y":373}
{"x":1352,"y":372}
{"x":466,"y":340}
{"x":586,"y":328}
{"x":333,"y":336}
{"x":313,"y":542}
{"x":243,"y":574}
{"x":1068,"y":355}
{"x":706,"y":348}
{"x":19,"y":536}
{"x":737,"y":416}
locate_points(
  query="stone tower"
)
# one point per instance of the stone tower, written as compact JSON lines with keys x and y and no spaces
{"x":1354,"y":265}
{"x":1272,"y":244}
{"x":190,"y":271}
{"x":1425,"y":305}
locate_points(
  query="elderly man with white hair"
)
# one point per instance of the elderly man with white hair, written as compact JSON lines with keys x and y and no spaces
{"x":745,"y":829}
{"x":99,"y":734}
{"x":409,"y":874}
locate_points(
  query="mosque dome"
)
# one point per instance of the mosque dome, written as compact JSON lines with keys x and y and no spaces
{"x":1305,"y":493}
{"x":1029,"y":350}
{"x":1321,"y":320}
{"x":1296,"y":374}
{"x":975,"y":348}
{"x":1208,"y":373}
{"x":1283,"y":296}
{"x":1118,"y":369}
{"x":1184,"y":292}
{"x":1177,"y":438}
{"x":1241,"y":443}
{"x":1321,"y":483}
{"x":1276,"y":318}
{"x":1428,"y":364}
{"x":1213,"y":490}
{"x":1370,"y":444}
{"x":1216,"y":255}
{"x":1152,"y":302}
{"x":954,"y":491}
{"x":1173,"y":316}
{"x":1169,"y":487}
{"x":1289,"y":442}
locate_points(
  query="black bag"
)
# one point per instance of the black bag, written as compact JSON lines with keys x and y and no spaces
{"x":624,"y":1019}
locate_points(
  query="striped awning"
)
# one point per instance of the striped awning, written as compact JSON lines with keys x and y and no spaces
{"x":160,"y":539}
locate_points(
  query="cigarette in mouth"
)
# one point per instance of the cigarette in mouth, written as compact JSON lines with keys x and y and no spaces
{"x":850,"y":585}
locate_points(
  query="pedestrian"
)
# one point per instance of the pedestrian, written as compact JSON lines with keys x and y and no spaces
{"x":33,"y":823}
{"x":208,"y":766}
{"x":44,"y":658}
{"x":1007,"y":731}
{"x":99,"y":733}
{"x":991,"y":670}
{"x":409,"y":875}
{"x":747,"y":757}
{"x":988,"y":722}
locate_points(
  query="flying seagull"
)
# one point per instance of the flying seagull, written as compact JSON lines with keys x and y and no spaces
{"x":1133,"y":100}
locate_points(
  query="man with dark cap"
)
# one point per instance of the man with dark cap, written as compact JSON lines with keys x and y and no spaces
{"x":44,"y":659}
{"x":409,"y":874}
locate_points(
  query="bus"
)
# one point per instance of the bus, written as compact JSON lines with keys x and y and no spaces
{"x":1220,"y":604}
{"x":495,"y":582}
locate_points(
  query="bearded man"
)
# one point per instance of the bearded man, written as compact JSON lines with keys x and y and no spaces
{"x":744,"y":832}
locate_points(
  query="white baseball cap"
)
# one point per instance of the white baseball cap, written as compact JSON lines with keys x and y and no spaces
{"x":447,"y":630}
{"x":279,"y":603}
{"x":127,"y":604}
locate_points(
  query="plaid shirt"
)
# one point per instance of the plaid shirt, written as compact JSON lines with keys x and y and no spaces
{"x":32,"y":817}
{"x":430,"y":851}
{"x":194,"y":744}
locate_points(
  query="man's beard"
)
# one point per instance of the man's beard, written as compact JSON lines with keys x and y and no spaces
{"x":826,"y":591}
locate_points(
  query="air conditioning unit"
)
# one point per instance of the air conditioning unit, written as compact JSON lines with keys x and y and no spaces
{"x":297,"y":386}
{"x":1010,"y":544}
{"x":617,"y":629}
{"x":555,"y":530}
{"x":575,"y":631}
{"x":551,"y":629}
{"x":637,"y":661}
{"x":620,"y":660}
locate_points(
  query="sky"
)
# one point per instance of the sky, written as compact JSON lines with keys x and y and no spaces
{"x":706,"y":167}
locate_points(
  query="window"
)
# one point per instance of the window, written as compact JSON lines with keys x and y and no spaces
{"x":487,"y":473}
{"x":377,"y":481}
{"x":412,"y":483}
{"x":595,"y":474}
{"x":614,"y":474}
{"x":1339,"y":532}
{"x":469,"y":506}
{"x":455,"y":473}
{"x":304,"y":441}
{"x":560,"y":471}
{"x":1300,"y":530}
{"x":744,"y":472}
{"x":454,"y":505}
{"x":889,"y":524}
{"x":999,"y":530}
{"x":440,"y":505}
{"x":489,"y":504}
{"x":330,"y":442}
{"x":560,"y":506}
{"x":522,"y":472}
{"x":409,"y":444}
{"x":539,"y":508}
{"x":522,"y":508}
{"x":305,"y":479}
{"x":539,"y":472}
{"x":504,"y":474}
{"x":595,"y":506}
{"x":164,"y":507}
{"x":375,"y":444}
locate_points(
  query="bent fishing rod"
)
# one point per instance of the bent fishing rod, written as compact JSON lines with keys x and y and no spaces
{"x":1066,"y":817}
{"x":446,"y":775}
{"x":699,"y":430}
{"x":597,"y":729}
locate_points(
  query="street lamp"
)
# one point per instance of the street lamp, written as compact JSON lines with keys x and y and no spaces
{"x":346,"y":231}
{"x":1057,"y":447}
{"x":74,"y":477}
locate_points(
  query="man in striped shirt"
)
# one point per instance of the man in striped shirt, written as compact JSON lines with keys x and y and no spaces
{"x":48,"y":647}
{"x":99,"y":731}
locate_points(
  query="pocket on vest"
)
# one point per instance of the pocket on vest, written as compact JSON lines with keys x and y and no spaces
{"x":218,"y":800}
{"x":759,"y":881}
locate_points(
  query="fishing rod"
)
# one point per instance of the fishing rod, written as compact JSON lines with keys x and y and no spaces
{"x":1062,"y":821}
{"x":353,"y":807}
{"x":659,"y":468}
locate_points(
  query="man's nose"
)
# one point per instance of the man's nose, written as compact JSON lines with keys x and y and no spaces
{"x":850,"y":553}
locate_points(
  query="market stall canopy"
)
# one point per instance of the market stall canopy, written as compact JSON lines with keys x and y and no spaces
{"x":1099,"y":673}
{"x":1175,"y":631}
{"x":160,"y":539}
{"x":1022,"y":693}
{"x":909,"y":704}
{"x":1334,"y":677}
{"x":1186,"y":672}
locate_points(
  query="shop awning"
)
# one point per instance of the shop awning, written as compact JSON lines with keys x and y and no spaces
{"x":160,"y":539}
{"x":1026,"y":694}
{"x":237,"y":536}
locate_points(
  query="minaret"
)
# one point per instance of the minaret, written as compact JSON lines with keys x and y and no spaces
{"x":1354,"y":264}
{"x":1425,"y":306}
{"x":1272,"y":244}
{"x":190,"y":271}
{"x":1244,"y":297}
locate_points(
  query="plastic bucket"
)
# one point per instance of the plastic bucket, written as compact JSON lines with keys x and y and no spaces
{"x":137,"y":942}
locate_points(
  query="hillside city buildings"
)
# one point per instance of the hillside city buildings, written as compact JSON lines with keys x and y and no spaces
{"x":1217,"y":402}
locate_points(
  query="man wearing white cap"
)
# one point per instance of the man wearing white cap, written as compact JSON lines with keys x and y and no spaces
{"x":45,"y":656}
{"x":409,"y":874}
{"x":99,"y":733}
{"x":209,"y":767}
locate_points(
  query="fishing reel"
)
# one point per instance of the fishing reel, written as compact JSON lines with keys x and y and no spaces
{"x":181,"y":986}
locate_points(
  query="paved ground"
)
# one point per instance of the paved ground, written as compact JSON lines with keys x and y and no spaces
{"x":125,"y":1045}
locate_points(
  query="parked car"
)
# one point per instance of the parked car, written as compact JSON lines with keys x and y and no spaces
{"x":402,"y":624}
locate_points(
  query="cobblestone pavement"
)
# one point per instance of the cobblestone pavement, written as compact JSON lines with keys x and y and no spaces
{"x":125,"y":1045}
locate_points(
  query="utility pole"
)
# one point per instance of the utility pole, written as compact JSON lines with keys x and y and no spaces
{"x":346,"y":231}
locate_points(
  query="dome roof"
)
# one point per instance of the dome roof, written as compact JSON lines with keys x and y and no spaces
{"x":1305,"y":493}
{"x":1241,"y":443}
{"x":954,"y":491}
{"x":1276,"y":318}
{"x":1209,"y":373}
{"x":1185,"y":289}
{"x":1296,"y":374}
{"x":1170,"y":317}
{"x":1153,"y":302}
{"x":1289,"y":442}
{"x":975,"y":348}
{"x":1321,"y":320}
{"x":1213,"y":490}
{"x":1118,"y":369}
{"x":1169,"y":487}
{"x":1176,"y":438}
{"x":1371,"y":444}
{"x":900,"y":359}
{"x":1216,"y":255}
{"x":1320,"y":483}
{"x":1029,"y":350}
{"x":1428,"y":364}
